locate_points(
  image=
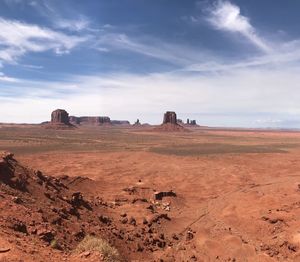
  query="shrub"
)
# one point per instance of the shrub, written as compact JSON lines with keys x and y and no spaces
{"x":91,"y":243}
{"x":54,"y":244}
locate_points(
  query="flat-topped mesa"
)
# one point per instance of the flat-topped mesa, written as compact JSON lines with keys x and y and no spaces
{"x":170,"y":117}
{"x":104,"y":120}
{"x":90,"y":120}
{"x":60,"y":116}
{"x":120,"y":122}
{"x":74,"y":120}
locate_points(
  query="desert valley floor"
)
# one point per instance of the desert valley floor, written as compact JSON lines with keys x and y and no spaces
{"x":236,"y":193}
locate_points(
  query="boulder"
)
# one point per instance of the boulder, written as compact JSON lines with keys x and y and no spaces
{"x":160,"y":195}
{"x":8,"y":174}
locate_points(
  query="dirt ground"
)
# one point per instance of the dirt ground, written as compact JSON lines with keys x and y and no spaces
{"x":238,"y":191}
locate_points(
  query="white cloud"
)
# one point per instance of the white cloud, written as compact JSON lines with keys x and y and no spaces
{"x":37,"y":67}
{"x":286,"y":55}
{"x":17,"y":39}
{"x":257,"y":91}
{"x":238,"y":98}
{"x":62,"y":17}
{"x":4,"y":78}
{"x":79,"y":24}
{"x":226,"y":16}
{"x":102,"y":49}
{"x":151,"y":47}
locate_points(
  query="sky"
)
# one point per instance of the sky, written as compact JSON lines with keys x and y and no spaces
{"x":224,"y":63}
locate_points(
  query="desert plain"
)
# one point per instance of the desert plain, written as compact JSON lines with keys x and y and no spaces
{"x":236,"y":192}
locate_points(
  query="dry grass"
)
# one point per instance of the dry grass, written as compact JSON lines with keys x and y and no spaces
{"x":219,"y":148}
{"x":91,"y":243}
{"x":38,"y":140}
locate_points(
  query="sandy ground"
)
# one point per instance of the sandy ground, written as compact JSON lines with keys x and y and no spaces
{"x":237,"y":191}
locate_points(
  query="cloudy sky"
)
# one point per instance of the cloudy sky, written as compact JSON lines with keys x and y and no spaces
{"x":223,"y":63}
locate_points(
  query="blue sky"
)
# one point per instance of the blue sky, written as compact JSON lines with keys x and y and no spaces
{"x":223,"y":63}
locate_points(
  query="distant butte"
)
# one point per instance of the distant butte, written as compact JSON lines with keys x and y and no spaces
{"x":191,"y":123}
{"x":137,"y":123}
{"x":59,"y":120}
{"x":120,"y":122}
{"x":170,"y":117}
{"x":90,"y":120}
{"x":60,"y":116}
{"x":170,"y":123}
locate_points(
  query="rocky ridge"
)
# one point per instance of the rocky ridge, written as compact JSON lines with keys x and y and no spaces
{"x":45,"y":217}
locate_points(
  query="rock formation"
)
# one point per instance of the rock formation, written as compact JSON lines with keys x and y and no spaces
{"x":170,"y":117}
{"x":74,"y":120}
{"x":120,"y":122}
{"x":90,"y":120}
{"x":44,"y":216}
{"x":96,"y":121}
{"x":160,"y":195}
{"x":59,"y":120}
{"x":60,"y":116}
{"x":137,"y":123}
{"x":191,"y":122}
{"x":104,"y":120}
{"x":170,"y":123}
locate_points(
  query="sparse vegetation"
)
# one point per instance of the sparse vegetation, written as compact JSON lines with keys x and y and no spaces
{"x":220,"y":148}
{"x":91,"y":243}
{"x":54,"y":244}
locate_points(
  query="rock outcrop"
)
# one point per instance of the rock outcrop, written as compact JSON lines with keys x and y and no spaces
{"x":74,"y":120}
{"x":160,"y":195}
{"x":170,"y":117}
{"x":170,"y":123}
{"x":120,"y":122}
{"x":60,"y":116}
{"x":59,"y":120}
{"x":191,"y":122}
{"x":90,"y":120}
{"x":137,"y":123}
{"x":44,"y":216}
